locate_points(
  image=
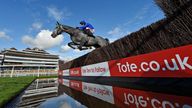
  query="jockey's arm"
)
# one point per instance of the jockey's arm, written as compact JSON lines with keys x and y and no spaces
{"x":83,"y":27}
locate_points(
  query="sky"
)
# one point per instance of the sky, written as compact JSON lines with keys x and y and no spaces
{"x":29,"y":23}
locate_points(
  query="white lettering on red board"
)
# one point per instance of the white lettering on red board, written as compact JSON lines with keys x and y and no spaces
{"x":176,"y":63}
{"x":130,"y":98}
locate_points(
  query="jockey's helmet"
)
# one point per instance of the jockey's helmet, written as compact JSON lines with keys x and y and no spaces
{"x":82,"y":22}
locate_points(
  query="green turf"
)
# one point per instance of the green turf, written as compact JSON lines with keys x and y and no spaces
{"x":10,"y":87}
{"x":47,"y":77}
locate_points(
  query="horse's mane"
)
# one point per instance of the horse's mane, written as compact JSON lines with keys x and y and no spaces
{"x":66,"y":26}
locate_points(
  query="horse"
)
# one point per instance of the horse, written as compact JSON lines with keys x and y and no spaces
{"x":80,"y":40}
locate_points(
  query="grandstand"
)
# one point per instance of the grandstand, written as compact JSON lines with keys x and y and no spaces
{"x":29,"y":61}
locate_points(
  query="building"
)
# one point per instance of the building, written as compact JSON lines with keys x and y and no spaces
{"x":1,"y":58}
{"x":29,"y":61}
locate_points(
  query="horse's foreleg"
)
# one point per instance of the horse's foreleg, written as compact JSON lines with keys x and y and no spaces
{"x":82,"y":43}
{"x":70,"y":44}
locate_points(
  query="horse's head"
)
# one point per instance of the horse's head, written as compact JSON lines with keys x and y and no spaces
{"x":58,"y":30}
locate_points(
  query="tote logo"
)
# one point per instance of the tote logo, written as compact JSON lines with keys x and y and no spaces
{"x":75,"y":72}
{"x":76,"y":85}
{"x":130,"y":98}
{"x":174,"y":62}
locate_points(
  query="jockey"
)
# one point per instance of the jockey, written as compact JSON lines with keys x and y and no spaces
{"x":87,"y":28}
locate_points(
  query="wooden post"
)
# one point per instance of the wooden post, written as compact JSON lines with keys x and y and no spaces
{"x":37,"y":83}
{"x":38,"y":71}
{"x":0,"y":71}
{"x":12,"y":71}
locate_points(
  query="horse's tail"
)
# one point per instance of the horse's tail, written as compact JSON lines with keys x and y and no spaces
{"x":107,"y":41}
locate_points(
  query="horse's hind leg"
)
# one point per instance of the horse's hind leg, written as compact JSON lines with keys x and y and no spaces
{"x":103,"y":42}
{"x":70,"y":44}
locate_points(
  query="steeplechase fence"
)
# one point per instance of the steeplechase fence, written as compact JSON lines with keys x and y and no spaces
{"x":173,"y":31}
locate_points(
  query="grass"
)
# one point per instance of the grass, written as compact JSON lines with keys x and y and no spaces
{"x":10,"y":87}
{"x":47,"y":77}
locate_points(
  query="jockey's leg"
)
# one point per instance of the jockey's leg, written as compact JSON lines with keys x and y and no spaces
{"x":88,"y":31}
